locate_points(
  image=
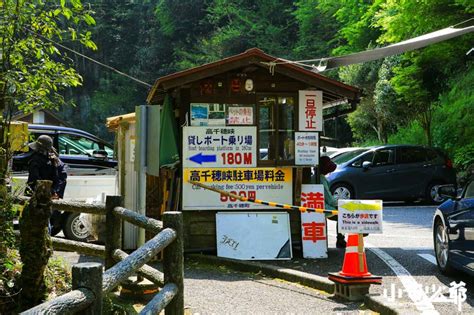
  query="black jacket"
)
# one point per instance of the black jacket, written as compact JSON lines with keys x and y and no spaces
{"x":42,"y":167}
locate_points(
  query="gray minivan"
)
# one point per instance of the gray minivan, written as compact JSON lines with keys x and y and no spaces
{"x":393,"y":172}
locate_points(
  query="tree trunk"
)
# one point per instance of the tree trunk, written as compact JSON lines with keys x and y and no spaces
{"x":35,"y":245}
{"x":426,"y":125}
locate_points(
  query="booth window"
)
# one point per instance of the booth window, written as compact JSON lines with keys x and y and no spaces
{"x":276,"y":130}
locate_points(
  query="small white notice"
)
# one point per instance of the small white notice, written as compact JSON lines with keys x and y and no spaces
{"x":253,"y":235}
{"x":306,"y":148}
{"x":360,"y":216}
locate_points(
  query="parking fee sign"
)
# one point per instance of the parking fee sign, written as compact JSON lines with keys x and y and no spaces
{"x":205,"y":147}
{"x":360,"y":216}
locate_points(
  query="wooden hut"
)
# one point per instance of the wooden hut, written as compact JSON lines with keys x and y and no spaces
{"x":248,"y":89}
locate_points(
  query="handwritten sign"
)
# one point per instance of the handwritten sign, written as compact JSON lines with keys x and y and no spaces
{"x":253,"y":235}
{"x":360,"y":216}
{"x":240,"y":115}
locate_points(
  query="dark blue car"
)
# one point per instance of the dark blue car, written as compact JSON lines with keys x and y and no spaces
{"x":84,"y":153}
{"x":453,"y":230}
{"x":392,"y":172}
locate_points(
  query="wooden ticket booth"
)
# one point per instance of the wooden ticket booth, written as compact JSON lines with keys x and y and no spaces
{"x":237,"y":119}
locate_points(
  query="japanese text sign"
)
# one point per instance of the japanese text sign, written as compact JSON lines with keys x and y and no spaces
{"x":306,"y":148}
{"x":360,"y":216}
{"x":269,"y":184}
{"x":310,"y":110}
{"x":240,"y":115}
{"x":219,"y":147}
{"x":313,"y":225}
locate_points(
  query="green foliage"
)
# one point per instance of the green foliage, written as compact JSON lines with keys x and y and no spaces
{"x":358,"y":29}
{"x":422,"y":74}
{"x":452,"y":125}
{"x":152,"y":39}
{"x":34,"y":71}
{"x":57,"y":276}
{"x":317,"y":29}
{"x":410,"y":134}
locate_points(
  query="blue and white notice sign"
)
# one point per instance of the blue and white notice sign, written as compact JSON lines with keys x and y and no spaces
{"x":306,"y":148}
{"x":209,"y":147}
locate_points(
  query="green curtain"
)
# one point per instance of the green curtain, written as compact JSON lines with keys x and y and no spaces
{"x":168,"y":134}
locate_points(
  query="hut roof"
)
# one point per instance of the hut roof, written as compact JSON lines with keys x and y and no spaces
{"x":334,"y":92}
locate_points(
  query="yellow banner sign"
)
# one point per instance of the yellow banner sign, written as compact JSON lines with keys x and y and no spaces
{"x":273,"y":184}
{"x":246,"y":175}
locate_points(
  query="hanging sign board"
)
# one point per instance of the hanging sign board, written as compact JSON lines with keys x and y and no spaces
{"x":360,"y":216}
{"x":306,"y":148}
{"x":310,"y":111}
{"x":269,"y":184}
{"x":253,"y":235}
{"x":219,"y":147}
{"x":313,"y":225}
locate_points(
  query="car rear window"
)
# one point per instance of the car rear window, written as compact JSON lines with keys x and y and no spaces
{"x":469,"y":190}
{"x":411,"y":155}
{"x":435,"y":157}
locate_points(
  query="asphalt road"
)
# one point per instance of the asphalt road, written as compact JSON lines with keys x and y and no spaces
{"x":211,"y":289}
{"x":404,"y":256}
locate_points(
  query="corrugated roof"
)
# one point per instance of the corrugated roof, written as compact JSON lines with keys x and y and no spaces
{"x":113,"y":122}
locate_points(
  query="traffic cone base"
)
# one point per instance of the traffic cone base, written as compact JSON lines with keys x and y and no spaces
{"x":354,"y":268}
{"x":337,"y":277}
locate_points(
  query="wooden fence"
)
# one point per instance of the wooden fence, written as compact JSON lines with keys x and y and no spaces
{"x":90,"y":283}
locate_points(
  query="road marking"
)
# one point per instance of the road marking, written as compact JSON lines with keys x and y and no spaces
{"x":428,"y":257}
{"x":404,"y":236}
{"x":417,"y":248}
{"x":414,"y":290}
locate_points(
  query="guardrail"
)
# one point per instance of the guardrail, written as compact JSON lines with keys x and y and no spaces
{"x":90,"y":283}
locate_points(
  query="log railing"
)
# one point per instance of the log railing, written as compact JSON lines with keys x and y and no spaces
{"x":90,"y":283}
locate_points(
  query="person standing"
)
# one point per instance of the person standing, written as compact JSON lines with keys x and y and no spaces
{"x":326,"y":166}
{"x":46,"y":165}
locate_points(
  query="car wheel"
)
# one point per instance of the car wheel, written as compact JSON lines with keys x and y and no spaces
{"x":342,"y":191}
{"x":441,"y":247}
{"x":74,"y":229}
{"x":432,"y":195}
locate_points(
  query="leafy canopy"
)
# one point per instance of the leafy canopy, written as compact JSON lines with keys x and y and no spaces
{"x":33,"y":69}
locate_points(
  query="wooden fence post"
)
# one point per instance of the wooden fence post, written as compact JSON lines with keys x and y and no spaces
{"x":173,"y":262}
{"x":89,"y":276}
{"x":35,"y":245}
{"x":113,"y":229}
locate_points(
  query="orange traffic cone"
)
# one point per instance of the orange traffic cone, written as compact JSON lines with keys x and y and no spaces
{"x":355,"y":263}
{"x":354,"y":267}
